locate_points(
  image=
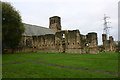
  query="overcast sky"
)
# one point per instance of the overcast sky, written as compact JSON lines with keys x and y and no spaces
{"x":85,"y":15}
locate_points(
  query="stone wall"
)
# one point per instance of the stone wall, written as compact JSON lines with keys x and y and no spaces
{"x":89,"y":43}
{"x":108,"y":45}
{"x":67,"y":41}
{"x":92,"y":42}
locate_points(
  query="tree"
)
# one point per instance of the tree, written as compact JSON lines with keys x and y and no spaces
{"x":12,"y":26}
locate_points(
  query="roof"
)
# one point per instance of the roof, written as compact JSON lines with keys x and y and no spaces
{"x":33,"y":30}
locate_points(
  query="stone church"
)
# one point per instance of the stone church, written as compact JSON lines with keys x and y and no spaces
{"x":55,"y":40}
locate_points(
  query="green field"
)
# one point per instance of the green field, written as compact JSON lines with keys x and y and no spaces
{"x":60,"y":65}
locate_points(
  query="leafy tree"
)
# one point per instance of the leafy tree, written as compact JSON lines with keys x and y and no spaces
{"x":12,"y":26}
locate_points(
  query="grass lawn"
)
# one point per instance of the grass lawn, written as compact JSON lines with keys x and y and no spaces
{"x":19,"y":65}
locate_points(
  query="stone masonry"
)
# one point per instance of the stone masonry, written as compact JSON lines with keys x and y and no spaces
{"x":108,"y":45}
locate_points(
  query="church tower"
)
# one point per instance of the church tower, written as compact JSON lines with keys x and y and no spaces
{"x":55,"y":23}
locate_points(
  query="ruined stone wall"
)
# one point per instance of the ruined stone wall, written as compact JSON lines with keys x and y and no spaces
{"x":84,"y":48}
{"x":92,"y":39}
{"x":92,"y":42}
{"x":70,"y":41}
{"x":60,"y":41}
{"x":26,"y":44}
{"x":108,"y":45}
{"x":89,"y":43}
{"x":105,"y":42}
{"x":46,"y":43}
{"x":73,"y":42}
{"x":112,"y":44}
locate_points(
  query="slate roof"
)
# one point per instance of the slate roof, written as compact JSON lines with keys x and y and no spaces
{"x":33,"y":30}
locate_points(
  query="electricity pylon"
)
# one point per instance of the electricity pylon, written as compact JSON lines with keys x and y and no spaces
{"x":106,"y":28}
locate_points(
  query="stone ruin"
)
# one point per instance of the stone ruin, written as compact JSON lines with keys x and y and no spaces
{"x":108,"y":45}
{"x":63,"y":41}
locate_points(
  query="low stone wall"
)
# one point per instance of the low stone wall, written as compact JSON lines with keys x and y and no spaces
{"x":70,"y":50}
{"x":93,"y":50}
{"x":24,"y":50}
{"x":40,"y":50}
{"x":76,"y":50}
{"x":49,"y":50}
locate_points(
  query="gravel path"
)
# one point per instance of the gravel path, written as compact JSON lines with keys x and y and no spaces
{"x":81,"y":69}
